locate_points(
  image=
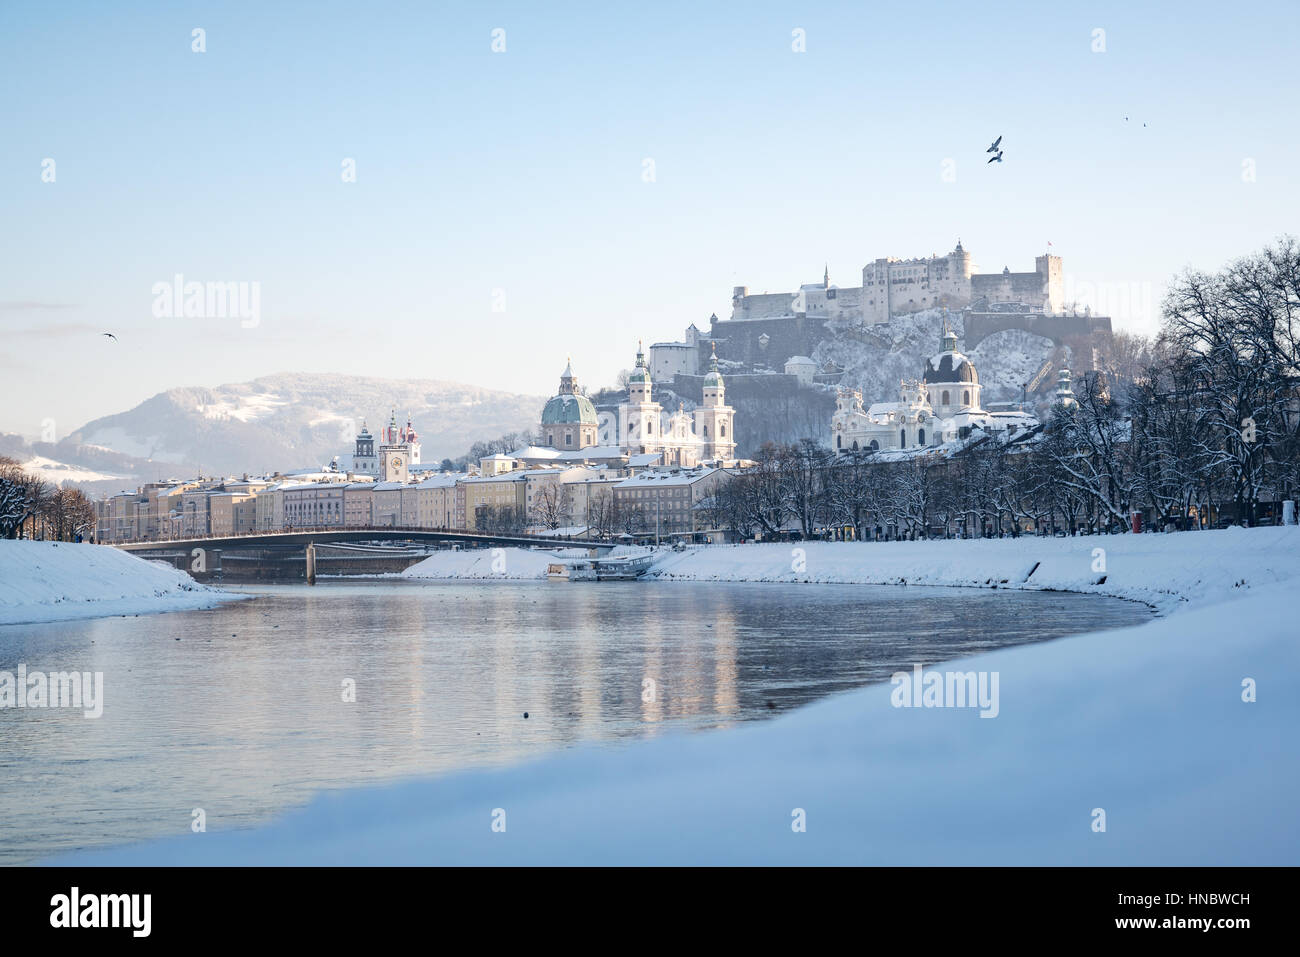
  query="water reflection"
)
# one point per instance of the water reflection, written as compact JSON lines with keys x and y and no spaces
{"x":241,"y":710}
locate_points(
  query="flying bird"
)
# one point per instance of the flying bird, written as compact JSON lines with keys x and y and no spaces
{"x":111,"y":336}
{"x":996,"y":159}
{"x":994,"y":147}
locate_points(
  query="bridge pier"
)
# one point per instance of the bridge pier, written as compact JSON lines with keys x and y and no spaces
{"x":311,"y":563}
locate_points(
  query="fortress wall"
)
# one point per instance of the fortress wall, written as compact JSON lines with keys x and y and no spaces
{"x":739,"y":341}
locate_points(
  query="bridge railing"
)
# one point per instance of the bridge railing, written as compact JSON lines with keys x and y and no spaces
{"x":465,"y":533}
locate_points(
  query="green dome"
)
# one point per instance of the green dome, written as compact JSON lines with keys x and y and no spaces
{"x":569,"y":410}
{"x":638,"y":375}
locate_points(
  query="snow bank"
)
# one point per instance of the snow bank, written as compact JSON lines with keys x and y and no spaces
{"x":1183,"y":569}
{"x":501,"y":563}
{"x":1147,"y":724}
{"x":506,"y":564}
{"x":58,"y":581}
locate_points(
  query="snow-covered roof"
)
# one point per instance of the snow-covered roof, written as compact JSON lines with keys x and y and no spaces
{"x":593,"y":452}
{"x":442,"y":480}
{"x":654,"y":478}
{"x":516,"y":476}
{"x":534,"y":452}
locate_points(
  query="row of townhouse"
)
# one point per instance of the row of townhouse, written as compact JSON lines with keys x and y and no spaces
{"x":504,"y":494}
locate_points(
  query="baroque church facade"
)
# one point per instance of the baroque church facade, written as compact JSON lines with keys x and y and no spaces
{"x":641,"y":426}
{"x":941,"y":406}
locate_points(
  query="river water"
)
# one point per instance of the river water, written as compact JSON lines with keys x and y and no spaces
{"x":242,"y":711}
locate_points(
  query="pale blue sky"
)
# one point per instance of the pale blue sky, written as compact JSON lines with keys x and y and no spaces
{"x":522,"y":171}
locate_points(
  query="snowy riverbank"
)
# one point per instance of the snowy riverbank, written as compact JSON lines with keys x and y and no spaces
{"x":1146,"y":725}
{"x":1165,"y":571}
{"x":1168,"y":572}
{"x":59,"y":581}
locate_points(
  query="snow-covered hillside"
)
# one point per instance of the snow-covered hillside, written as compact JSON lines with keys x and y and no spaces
{"x":1178,"y":736}
{"x":298,"y":420}
{"x":875,"y":358}
{"x":58,"y":581}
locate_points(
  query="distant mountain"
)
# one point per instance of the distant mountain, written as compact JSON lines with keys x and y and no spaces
{"x":291,"y":421}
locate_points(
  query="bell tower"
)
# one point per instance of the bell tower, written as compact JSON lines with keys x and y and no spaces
{"x":394,"y":464}
{"x":714,"y":419}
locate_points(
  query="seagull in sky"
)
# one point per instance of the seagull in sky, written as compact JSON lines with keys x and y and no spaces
{"x":994,"y":147}
{"x":111,"y":336}
{"x":996,"y":159}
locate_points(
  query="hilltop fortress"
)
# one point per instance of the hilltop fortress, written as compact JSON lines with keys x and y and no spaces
{"x":892,"y":287}
{"x":768,"y":329}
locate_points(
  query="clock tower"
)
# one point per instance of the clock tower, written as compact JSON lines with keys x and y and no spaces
{"x":394,"y":462}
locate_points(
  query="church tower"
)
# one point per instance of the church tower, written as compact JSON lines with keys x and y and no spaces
{"x":641,"y":416}
{"x":364,"y":460}
{"x":395,"y":452}
{"x":714,"y":419}
{"x":393,"y":464}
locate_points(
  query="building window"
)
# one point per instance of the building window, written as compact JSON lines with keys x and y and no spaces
{"x":839,"y":444}
{"x":874,"y":446}
{"x":902,"y":438}
{"x":965,"y":397}
{"x":945,"y":396}
{"x":920,"y":437}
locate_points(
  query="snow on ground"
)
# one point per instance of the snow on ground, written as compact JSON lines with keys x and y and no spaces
{"x":57,"y":473}
{"x":506,"y":564}
{"x":58,"y":581}
{"x":1164,"y":571}
{"x":502,"y":563}
{"x":1145,"y":724}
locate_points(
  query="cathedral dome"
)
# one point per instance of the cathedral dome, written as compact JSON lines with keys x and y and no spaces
{"x":950,"y":367}
{"x":569,"y":410}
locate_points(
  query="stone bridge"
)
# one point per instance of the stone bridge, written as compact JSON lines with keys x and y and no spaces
{"x":1062,"y":330}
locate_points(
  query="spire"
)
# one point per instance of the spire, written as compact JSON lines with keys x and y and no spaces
{"x":640,"y":355}
{"x":713,"y":359}
{"x":568,"y":381}
{"x":826,"y":276}
{"x":948,"y":341}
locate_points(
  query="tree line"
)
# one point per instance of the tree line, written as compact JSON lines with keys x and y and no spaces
{"x":1199,"y":425}
{"x":31,"y":507}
